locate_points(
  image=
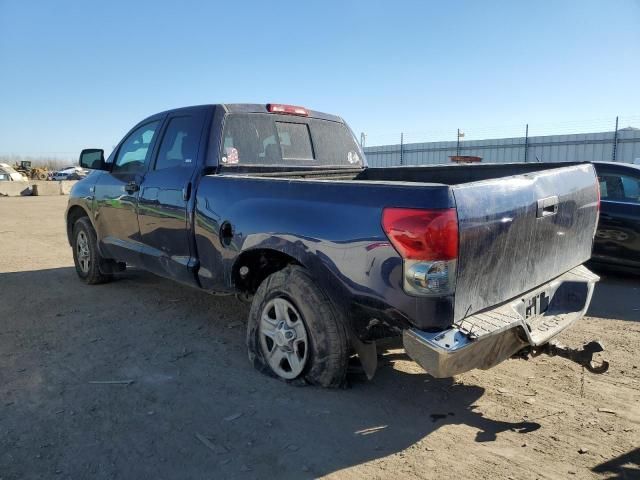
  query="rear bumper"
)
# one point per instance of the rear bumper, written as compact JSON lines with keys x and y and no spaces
{"x":484,"y":339}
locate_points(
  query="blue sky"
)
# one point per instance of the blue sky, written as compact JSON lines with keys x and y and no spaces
{"x":79,"y":74}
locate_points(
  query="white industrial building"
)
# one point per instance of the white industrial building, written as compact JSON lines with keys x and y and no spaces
{"x":620,"y":146}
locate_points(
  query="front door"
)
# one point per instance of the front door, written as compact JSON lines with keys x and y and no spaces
{"x":116,"y":195}
{"x":165,"y":228}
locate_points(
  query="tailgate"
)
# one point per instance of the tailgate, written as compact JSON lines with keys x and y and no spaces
{"x":522,"y":231}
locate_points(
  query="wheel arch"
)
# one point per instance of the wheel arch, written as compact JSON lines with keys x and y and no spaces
{"x":75,"y":213}
{"x":251,"y":267}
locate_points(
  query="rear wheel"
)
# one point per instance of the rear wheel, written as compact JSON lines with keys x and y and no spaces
{"x":284,"y":342}
{"x":294,"y":332}
{"x":85,"y":253}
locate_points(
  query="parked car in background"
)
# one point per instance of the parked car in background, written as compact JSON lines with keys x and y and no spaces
{"x":70,"y":173}
{"x":617,"y":242}
{"x":10,"y":174}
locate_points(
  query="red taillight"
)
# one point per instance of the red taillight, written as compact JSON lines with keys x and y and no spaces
{"x":287,"y":109}
{"x":422,"y":234}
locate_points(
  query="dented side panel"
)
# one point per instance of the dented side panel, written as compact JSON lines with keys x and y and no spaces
{"x":333,"y":228}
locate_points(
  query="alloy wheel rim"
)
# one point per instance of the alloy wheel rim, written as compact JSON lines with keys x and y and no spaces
{"x":82,"y":250}
{"x":283,"y":338}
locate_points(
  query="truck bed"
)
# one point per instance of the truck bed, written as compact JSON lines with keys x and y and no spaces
{"x":455,"y":174}
{"x":441,"y":174}
{"x":520,"y":225}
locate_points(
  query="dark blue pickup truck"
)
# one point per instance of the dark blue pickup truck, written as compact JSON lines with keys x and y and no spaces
{"x":471,"y":264}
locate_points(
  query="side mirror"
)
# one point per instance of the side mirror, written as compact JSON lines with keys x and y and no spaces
{"x":92,"y":159}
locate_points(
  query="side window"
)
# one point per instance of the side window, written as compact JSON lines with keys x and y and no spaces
{"x":134,"y":152}
{"x":631,"y":186}
{"x":179,"y":147}
{"x":619,"y":187}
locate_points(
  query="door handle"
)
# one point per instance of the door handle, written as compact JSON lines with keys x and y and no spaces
{"x":547,"y":206}
{"x":132,"y":187}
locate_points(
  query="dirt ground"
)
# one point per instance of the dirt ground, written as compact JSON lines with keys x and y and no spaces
{"x":193,"y":407}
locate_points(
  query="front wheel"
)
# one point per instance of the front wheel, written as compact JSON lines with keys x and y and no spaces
{"x":294,"y":332}
{"x":85,"y":253}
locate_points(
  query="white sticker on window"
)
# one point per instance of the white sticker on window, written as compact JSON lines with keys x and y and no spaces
{"x":232,"y":156}
{"x":352,"y":158}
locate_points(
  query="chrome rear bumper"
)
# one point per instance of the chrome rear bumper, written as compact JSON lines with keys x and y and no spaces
{"x":484,"y":339}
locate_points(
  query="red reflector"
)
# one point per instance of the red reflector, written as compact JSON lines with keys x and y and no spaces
{"x":422,"y":234}
{"x":288,"y":109}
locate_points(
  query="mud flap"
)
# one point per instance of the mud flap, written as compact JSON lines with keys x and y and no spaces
{"x":110,"y":266}
{"x":368,"y":355}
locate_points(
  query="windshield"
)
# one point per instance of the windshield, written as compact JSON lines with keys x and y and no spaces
{"x":285,"y":140}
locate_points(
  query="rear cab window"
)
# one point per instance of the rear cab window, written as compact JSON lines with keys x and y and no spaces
{"x":258,"y":139}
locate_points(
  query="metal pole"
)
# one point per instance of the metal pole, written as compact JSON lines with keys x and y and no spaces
{"x":458,"y":144}
{"x":362,"y":139}
{"x":526,"y":142}
{"x":401,"y":147}
{"x":615,"y":142}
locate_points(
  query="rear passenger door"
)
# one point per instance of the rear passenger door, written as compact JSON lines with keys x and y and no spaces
{"x":164,"y":215}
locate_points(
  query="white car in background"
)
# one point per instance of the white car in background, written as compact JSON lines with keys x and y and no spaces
{"x":70,"y":173}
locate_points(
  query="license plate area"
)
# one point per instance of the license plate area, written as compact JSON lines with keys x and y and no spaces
{"x":535,"y":305}
{"x":550,"y":310}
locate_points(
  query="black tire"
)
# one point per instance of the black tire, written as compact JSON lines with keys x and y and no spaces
{"x":90,"y":272}
{"x":328,"y":348}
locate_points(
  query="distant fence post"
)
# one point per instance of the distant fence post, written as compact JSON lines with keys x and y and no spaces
{"x":526,"y":142}
{"x":401,"y":147}
{"x":458,"y":143}
{"x":615,"y":142}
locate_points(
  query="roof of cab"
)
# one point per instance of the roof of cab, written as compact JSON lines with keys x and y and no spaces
{"x":239,"y":108}
{"x":262,"y":108}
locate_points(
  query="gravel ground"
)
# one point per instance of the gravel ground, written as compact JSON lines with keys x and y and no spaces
{"x":187,"y":404}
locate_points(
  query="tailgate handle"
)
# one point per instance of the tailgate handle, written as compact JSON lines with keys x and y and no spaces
{"x":547,"y":206}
